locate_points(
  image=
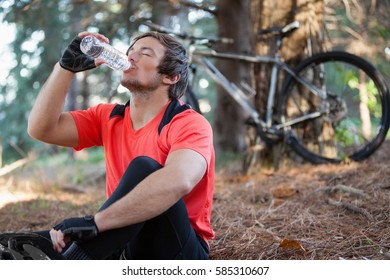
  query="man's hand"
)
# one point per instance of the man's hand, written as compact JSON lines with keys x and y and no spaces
{"x":77,"y":229}
{"x":74,"y":60}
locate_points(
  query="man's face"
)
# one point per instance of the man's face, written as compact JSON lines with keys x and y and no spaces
{"x":145,"y":56}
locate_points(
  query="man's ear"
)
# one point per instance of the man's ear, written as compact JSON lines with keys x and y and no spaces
{"x":171,"y":80}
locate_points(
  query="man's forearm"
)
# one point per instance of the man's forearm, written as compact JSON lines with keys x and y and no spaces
{"x":156,"y":193}
{"x":147,"y":200}
{"x":49,"y":104}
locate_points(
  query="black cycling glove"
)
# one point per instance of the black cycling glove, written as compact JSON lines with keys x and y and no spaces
{"x":74,"y":60}
{"x":79,"y":229}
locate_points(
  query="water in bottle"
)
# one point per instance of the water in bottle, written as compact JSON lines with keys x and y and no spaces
{"x":113,"y":58}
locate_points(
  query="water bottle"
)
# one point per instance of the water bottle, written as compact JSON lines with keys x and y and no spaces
{"x":113,"y":58}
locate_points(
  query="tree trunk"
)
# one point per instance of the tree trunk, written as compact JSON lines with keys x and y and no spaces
{"x":234,"y":22}
{"x":303,"y":42}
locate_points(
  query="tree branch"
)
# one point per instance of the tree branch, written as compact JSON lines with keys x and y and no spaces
{"x":19,"y":163}
{"x":351,"y":207}
{"x":189,"y":4}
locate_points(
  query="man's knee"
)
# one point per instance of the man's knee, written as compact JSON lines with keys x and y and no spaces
{"x":145,"y":164}
{"x":137,"y":170}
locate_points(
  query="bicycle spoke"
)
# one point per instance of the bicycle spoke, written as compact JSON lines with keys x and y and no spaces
{"x":353,"y":120}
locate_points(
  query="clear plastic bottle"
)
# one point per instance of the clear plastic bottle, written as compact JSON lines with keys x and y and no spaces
{"x":113,"y":58}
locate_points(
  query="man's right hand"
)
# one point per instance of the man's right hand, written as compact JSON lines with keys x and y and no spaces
{"x":74,"y":60}
{"x":76,"y":229}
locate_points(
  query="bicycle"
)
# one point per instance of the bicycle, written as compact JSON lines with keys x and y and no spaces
{"x":332,"y":107}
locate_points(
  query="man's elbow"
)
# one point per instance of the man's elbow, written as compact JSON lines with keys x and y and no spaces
{"x":186,"y":186}
{"x":34,"y":130}
{"x":188,"y":181}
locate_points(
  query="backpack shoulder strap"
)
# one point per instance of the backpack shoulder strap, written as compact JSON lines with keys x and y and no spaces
{"x":172,"y":110}
{"x":119,"y":110}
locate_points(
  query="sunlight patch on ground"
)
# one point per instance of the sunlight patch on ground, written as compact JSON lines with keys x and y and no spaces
{"x":7,"y":197}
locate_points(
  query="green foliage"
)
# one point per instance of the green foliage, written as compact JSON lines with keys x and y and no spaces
{"x":43,"y":28}
{"x":31,"y":47}
{"x":227,"y":159}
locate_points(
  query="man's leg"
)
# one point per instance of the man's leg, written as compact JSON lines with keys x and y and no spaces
{"x":106,"y":243}
{"x":172,"y":234}
{"x":138,"y":169}
{"x":168,"y":236}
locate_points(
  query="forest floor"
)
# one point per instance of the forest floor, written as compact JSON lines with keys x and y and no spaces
{"x":299,"y":212}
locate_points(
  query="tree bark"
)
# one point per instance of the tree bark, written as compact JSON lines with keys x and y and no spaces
{"x":305,"y":41}
{"x":234,"y":22}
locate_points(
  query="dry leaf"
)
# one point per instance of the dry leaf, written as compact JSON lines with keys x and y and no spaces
{"x":283,"y":192}
{"x":291,"y":244}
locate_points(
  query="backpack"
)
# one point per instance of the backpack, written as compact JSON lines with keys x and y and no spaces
{"x":172,"y":110}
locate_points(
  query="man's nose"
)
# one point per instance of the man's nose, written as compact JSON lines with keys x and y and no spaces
{"x":134,"y":57}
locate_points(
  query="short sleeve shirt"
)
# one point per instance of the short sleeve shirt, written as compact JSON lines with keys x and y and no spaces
{"x":187,"y":130}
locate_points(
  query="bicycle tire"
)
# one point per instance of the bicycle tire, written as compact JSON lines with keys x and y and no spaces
{"x":355,"y":114}
{"x":191,"y":99}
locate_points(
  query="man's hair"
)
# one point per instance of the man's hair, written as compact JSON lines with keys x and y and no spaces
{"x":175,"y":61}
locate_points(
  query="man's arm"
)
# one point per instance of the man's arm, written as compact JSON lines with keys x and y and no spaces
{"x":156,"y":193}
{"x":47,"y":121}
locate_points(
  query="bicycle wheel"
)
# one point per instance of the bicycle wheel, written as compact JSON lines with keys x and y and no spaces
{"x":349,"y":122}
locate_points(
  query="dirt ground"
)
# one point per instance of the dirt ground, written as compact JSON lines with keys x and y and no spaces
{"x":301,"y":212}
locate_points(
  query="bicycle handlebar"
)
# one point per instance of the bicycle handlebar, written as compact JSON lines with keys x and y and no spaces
{"x":207,"y":41}
{"x":187,"y":36}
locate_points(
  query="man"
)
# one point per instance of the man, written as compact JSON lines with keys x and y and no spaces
{"x":160,"y":176}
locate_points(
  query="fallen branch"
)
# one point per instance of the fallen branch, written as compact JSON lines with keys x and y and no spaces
{"x":386,"y":255}
{"x":351,"y":207}
{"x":387,"y":186}
{"x":19,"y":163}
{"x":90,"y":180}
{"x":344,"y":188}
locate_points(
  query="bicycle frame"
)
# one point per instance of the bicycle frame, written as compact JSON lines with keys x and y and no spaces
{"x":200,"y":57}
{"x":329,"y":105}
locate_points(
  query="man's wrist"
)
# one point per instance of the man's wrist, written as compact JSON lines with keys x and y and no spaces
{"x":98,"y":221}
{"x":79,"y":228}
{"x":63,"y":70}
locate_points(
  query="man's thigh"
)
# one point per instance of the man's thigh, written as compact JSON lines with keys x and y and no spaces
{"x":168,"y":236}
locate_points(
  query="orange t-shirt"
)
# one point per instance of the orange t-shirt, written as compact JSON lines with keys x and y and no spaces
{"x":187,"y":130}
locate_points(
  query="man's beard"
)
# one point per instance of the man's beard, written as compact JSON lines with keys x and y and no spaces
{"x":139,"y":89}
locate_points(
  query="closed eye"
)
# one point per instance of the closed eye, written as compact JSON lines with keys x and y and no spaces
{"x":144,"y":51}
